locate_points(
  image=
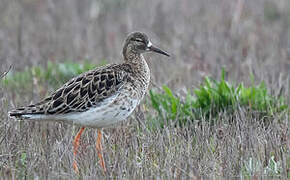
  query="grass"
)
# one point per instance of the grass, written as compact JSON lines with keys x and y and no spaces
{"x":231,"y":136}
{"x":208,"y":115}
{"x":213,"y":98}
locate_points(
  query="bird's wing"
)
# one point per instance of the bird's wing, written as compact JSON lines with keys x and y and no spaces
{"x":82,"y":92}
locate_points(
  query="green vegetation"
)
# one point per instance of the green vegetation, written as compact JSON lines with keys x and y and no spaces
{"x":214,"y":97}
{"x":209,"y":100}
{"x":208,"y":103}
{"x":227,"y":141}
{"x":253,"y":167}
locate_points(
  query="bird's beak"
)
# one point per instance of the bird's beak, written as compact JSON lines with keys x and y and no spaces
{"x":157,"y":50}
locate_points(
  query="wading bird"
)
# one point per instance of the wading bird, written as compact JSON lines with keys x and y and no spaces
{"x":100,"y":97}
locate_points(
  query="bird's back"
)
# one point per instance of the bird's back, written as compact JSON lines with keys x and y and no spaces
{"x":79,"y":94}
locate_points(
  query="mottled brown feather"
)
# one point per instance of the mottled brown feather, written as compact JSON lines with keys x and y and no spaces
{"x":81,"y":92}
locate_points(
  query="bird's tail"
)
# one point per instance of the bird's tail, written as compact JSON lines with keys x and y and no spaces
{"x":29,"y":112}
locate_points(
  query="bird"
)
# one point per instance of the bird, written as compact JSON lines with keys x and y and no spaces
{"x":100,"y":97}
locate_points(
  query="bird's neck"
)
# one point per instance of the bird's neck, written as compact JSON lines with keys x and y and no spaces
{"x":140,"y":69}
{"x":138,"y":64}
{"x":136,"y":60}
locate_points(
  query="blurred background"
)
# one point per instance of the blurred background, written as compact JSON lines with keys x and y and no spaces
{"x":202,"y":35}
{"x":250,"y":39}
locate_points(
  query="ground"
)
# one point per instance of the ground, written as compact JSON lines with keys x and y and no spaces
{"x":244,"y":37}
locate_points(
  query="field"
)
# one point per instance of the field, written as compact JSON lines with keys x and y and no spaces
{"x":180,"y":130}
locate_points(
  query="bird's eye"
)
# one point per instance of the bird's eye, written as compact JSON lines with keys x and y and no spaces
{"x":138,"y":40}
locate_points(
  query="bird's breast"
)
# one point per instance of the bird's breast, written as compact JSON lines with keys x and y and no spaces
{"x":142,"y":79}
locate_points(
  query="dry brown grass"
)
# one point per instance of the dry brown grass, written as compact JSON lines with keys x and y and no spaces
{"x":202,"y":35}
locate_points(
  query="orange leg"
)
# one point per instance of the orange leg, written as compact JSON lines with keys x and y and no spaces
{"x":100,"y":151}
{"x":76,"y":144}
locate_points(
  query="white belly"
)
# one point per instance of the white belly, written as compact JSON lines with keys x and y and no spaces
{"x":105,"y":115}
{"x":102,"y":116}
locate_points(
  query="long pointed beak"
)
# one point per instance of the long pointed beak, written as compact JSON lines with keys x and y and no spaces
{"x":157,"y":50}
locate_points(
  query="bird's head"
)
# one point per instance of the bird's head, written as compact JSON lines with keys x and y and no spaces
{"x":139,"y":43}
